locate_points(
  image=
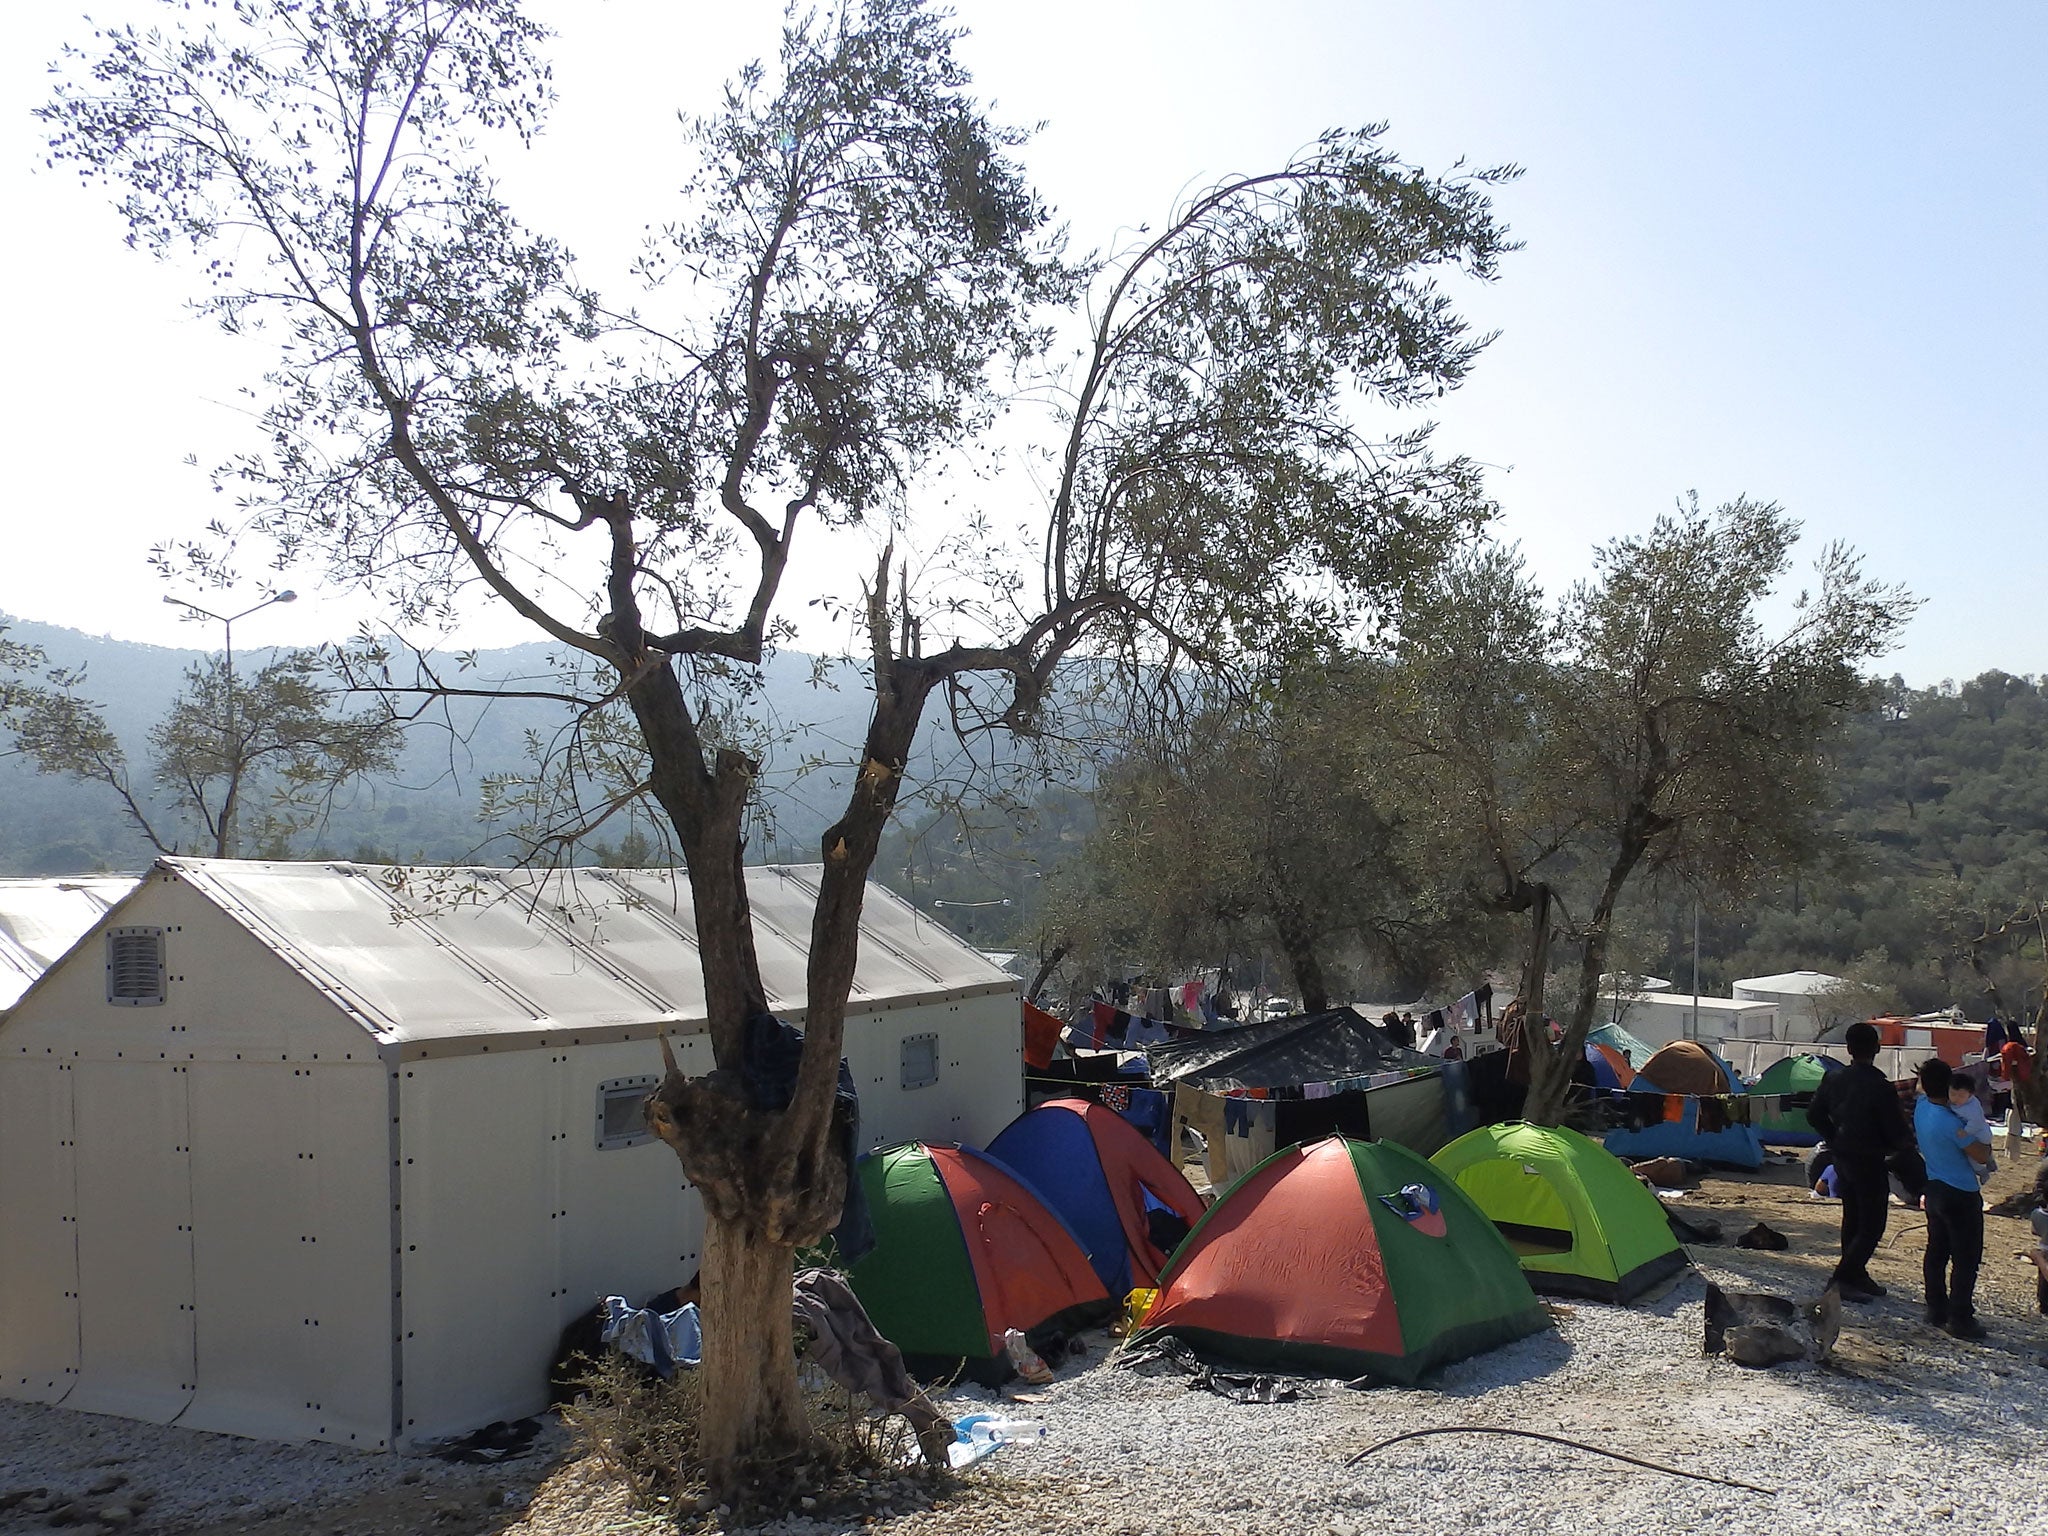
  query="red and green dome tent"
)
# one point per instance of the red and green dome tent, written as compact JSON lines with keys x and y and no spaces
{"x":965,"y":1250}
{"x":1330,"y":1258}
{"x":1578,"y":1220}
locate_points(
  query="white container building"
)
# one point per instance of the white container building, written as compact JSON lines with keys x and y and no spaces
{"x":1802,"y":1000}
{"x":1658,"y":1018}
{"x":334,"y":1152}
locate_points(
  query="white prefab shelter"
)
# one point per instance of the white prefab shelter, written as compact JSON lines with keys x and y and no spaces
{"x":334,"y":1152}
{"x":41,"y":918}
{"x":1658,"y":1018}
{"x":1799,"y":996}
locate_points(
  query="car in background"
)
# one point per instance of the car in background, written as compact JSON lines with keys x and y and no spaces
{"x":1277,"y":1008}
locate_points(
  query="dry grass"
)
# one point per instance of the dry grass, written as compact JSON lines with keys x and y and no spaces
{"x":642,"y":1432}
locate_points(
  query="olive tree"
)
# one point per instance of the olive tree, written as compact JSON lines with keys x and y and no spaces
{"x":858,"y":278}
{"x":1654,"y":725}
{"x":274,"y":737}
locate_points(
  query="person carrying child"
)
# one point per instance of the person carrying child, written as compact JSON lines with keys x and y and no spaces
{"x":1954,"y":1206}
{"x":1962,"y":1098}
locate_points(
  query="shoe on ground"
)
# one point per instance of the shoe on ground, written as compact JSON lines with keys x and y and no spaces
{"x":1934,"y":1318}
{"x":1870,"y":1287}
{"x":1855,"y":1294}
{"x":1966,"y":1328}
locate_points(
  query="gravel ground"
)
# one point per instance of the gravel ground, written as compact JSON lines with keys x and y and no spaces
{"x":1908,"y":1430}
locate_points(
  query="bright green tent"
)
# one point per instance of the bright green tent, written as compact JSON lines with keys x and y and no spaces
{"x":1579,"y":1221}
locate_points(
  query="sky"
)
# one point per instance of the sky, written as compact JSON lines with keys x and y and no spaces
{"x":1789,"y":251}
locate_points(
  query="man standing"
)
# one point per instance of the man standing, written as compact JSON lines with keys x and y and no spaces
{"x":1857,"y":1111}
{"x":1955,"y":1210}
{"x":2018,"y":1064}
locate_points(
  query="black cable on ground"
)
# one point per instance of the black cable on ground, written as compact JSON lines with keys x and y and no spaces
{"x":1577,"y":1445}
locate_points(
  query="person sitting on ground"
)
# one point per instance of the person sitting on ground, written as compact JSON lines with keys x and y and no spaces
{"x":1962,"y":1098}
{"x":1955,"y":1209}
{"x":1857,"y":1111}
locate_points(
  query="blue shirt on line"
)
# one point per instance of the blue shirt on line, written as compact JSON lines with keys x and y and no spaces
{"x":1941,"y":1134}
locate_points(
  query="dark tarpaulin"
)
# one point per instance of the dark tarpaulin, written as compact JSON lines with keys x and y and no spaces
{"x":1284,"y":1053}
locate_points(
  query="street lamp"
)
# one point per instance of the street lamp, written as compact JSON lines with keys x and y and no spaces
{"x":231,"y":759}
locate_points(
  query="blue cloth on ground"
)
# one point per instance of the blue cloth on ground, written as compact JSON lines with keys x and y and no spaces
{"x":663,"y":1340}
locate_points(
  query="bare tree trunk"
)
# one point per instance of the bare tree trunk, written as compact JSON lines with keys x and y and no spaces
{"x":1292,"y":929}
{"x":1543,"y":1104}
{"x":1536,"y":964}
{"x":1044,"y":972}
{"x":1551,"y":1066}
{"x":773,"y":1180}
{"x":759,"y":1412}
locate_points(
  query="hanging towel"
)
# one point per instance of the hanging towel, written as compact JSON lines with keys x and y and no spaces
{"x":1041,"y":1034}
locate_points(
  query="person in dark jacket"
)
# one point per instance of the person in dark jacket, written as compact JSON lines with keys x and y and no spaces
{"x":1857,"y":1111}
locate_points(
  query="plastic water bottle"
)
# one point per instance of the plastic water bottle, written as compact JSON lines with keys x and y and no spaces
{"x":987,"y":1427}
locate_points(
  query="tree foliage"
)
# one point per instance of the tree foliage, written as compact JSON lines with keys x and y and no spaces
{"x":1674,"y":737}
{"x":274,"y":737}
{"x":1274,"y":826}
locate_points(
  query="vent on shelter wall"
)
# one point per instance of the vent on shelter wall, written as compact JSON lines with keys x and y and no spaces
{"x":920,"y":1060}
{"x":135,"y":967}
{"x":619,"y":1120}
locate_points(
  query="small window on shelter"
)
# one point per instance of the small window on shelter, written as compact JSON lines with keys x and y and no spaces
{"x":620,"y":1122}
{"x":920,"y":1061}
{"x":135,"y":967}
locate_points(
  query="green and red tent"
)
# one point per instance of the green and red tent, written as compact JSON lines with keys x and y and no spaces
{"x":1797,"y":1077}
{"x":965,"y":1250}
{"x":1348,"y":1257}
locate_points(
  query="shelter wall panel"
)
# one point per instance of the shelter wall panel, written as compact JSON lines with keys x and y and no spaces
{"x":134,"y":1239}
{"x":290,"y":1232}
{"x":479,"y":1284}
{"x":980,"y":1087}
{"x":38,"y":1236}
{"x":635,"y":1226}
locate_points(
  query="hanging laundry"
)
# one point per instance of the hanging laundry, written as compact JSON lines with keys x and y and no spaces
{"x":1041,"y":1034}
{"x":1144,"y":1032}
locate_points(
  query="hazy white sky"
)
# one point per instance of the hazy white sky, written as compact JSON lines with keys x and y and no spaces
{"x":1792,"y":251}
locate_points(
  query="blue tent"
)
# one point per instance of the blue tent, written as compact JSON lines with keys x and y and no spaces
{"x":1128,"y":1205}
{"x":1733,"y":1146}
{"x":1604,"y":1075}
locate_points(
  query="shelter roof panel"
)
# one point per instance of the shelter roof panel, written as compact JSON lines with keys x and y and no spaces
{"x":40,"y":919}
{"x":1792,"y":983}
{"x":433,"y":953}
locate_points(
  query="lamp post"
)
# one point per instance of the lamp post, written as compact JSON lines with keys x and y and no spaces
{"x":229,"y":756}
